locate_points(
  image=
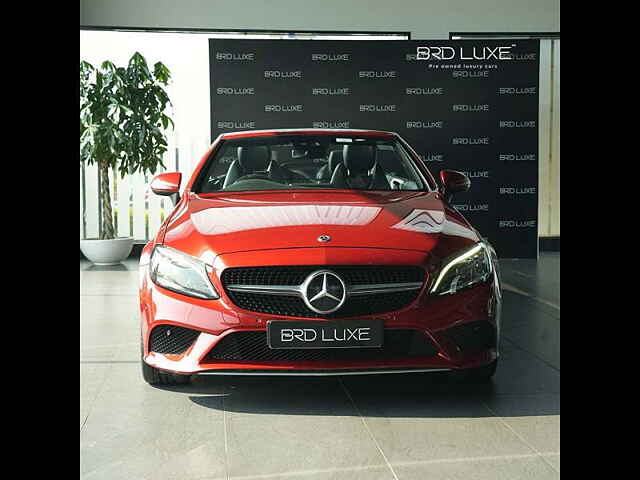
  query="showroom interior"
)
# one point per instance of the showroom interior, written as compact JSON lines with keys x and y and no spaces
{"x":470,"y":86}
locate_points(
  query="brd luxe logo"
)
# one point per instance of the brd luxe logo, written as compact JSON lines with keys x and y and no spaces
{"x":284,"y":108}
{"x":517,"y":223}
{"x":479,"y":207}
{"x":462,"y":53}
{"x":233,"y":56}
{"x":433,"y":157}
{"x":331,"y":124}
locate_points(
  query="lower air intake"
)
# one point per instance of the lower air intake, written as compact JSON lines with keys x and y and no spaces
{"x":473,"y":337}
{"x":252,"y":347}
{"x":171,"y":339}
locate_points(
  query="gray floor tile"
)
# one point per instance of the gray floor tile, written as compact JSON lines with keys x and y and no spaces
{"x":554,"y":460}
{"x":108,"y":283}
{"x":539,"y":278}
{"x":92,"y":379}
{"x":532,"y":330}
{"x":107,"y":324}
{"x":490,"y":468}
{"x":536,"y":418}
{"x":138,"y":431}
{"x":351,"y":473}
{"x":298,"y":425}
{"x":261,"y":445}
{"x":424,"y":438}
{"x":520,"y":372}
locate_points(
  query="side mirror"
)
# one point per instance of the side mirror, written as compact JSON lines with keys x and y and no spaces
{"x":167,"y":184}
{"x":453,"y":182}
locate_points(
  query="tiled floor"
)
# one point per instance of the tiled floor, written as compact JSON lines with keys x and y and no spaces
{"x":387,"y":427}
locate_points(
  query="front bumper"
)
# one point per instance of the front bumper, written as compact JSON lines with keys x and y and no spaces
{"x":433,"y":317}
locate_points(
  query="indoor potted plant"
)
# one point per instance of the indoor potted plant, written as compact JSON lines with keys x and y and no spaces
{"x":122,"y":127}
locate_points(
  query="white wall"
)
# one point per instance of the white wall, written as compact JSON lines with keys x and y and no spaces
{"x":425,"y":19}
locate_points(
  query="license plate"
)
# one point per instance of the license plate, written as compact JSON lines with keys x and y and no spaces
{"x":340,"y":334}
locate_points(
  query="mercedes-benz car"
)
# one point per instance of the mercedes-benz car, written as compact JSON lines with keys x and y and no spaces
{"x":316,"y":252}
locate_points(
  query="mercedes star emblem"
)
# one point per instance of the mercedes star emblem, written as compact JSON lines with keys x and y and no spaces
{"x":324,"y":292}
{"x":324,"y":238}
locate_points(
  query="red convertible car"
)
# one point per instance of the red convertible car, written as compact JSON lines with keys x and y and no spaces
{"x":316,"y":252}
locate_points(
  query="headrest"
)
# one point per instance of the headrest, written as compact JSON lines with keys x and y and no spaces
{"x":252,"y":159}
{"x":359,"y":158}
{"x":335,"y":158}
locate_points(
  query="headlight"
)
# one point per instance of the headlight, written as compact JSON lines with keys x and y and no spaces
{"x":181,"y":273}
{"x":462,"y":270}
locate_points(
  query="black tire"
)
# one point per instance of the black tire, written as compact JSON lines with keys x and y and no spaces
{"x":479,"y":375}
{"x":482,"y":374}
{"x":153,"y":376}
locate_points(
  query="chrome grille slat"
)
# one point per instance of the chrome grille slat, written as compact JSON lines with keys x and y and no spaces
{"x":383,"y":288}
{"x":351,"y":290}
{"x":267,"y":289}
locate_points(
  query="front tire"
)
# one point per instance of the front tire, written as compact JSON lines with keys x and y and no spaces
{"x":153,"y":376}
{"x":479,"y":375}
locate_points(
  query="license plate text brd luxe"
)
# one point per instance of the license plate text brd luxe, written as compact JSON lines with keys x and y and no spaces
{"x":343,"y":334}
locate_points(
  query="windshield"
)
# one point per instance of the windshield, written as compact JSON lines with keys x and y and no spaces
{"x":309,"y":162}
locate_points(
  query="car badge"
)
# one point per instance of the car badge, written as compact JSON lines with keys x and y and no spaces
{"x":324,"y":292}
{"x":324,"y":238}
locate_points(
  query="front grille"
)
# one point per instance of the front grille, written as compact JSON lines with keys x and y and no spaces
{"x":473,"y":337}
{"x":295,"y":275}
{"x":288,"y":305}
{"x":252,"y":347}
{"x":171,"y":339}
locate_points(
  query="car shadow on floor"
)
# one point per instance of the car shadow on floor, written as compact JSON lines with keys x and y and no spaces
{"x":430,"y":395}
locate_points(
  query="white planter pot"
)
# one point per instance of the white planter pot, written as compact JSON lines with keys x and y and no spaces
{"x":107,"y":252}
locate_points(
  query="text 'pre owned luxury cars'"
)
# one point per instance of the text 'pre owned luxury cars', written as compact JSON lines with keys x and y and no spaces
{"x":316,"y":252}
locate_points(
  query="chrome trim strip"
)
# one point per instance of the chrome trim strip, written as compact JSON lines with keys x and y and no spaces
{"x":383,"y":288}
{"x":321,"y":374}
{"x":296,"y":290}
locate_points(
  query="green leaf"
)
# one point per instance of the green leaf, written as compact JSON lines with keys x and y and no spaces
{"x":122,"y":115}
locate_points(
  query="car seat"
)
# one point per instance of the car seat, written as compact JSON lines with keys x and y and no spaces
{"x":359,"y":169}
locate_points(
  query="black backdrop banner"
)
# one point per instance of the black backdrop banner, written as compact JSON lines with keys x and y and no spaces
{"x":468,"y":105}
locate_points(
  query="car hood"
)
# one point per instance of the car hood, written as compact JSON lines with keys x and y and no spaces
{"x":206,"y":226}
